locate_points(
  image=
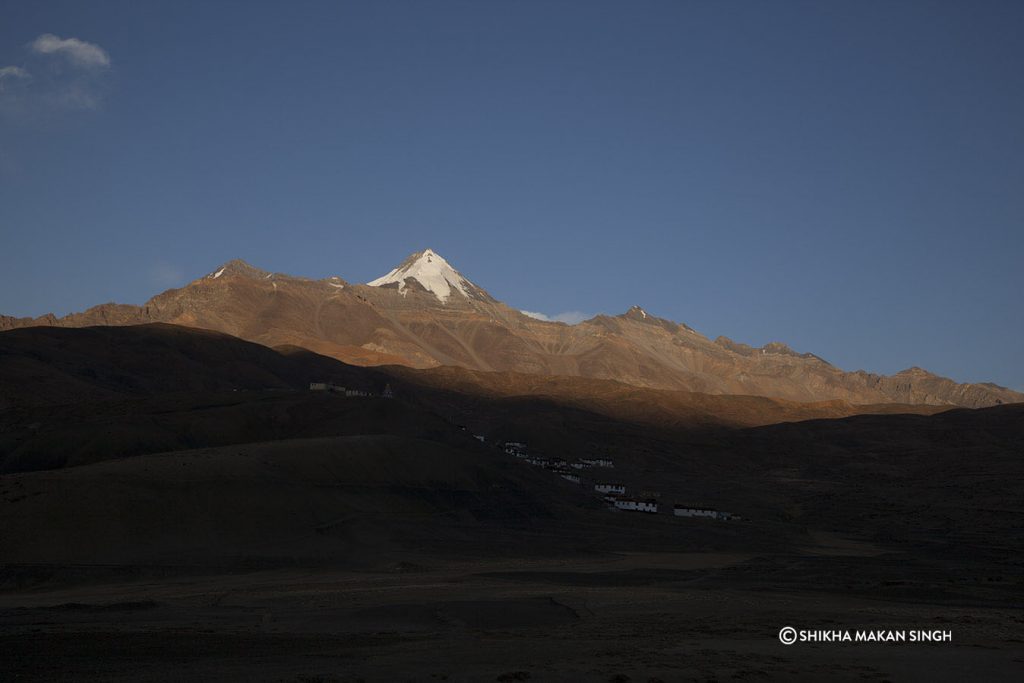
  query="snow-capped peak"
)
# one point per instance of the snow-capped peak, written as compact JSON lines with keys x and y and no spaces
{"x":636,"y":313}
{"x":433,"y":273}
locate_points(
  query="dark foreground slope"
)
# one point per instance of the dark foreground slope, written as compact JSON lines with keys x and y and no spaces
{"x":385,"y":558}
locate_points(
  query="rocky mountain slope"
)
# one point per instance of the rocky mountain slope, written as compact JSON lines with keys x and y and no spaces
{"x":424,"y":313}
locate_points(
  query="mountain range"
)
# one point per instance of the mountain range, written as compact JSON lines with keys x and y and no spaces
{"x":424,"y":313}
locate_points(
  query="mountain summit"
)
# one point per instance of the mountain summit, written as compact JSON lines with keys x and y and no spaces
{"x":427,"y":270}
{"x":238,"y":267}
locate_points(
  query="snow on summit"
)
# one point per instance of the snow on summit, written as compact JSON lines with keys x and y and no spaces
{"x":432,"y":272}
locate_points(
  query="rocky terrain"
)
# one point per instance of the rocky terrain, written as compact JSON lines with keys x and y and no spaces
{"x":425,"y":314}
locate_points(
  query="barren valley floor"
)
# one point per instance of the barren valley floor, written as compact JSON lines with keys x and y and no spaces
{"x":609,"y":617}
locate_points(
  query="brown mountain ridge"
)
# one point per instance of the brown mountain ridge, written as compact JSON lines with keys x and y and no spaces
{"x":425,"y":314}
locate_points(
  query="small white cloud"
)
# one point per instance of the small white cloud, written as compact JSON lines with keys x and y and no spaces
{"x":12,"y":72}
{"x":569,"y":317}
{"x":81,"y":53}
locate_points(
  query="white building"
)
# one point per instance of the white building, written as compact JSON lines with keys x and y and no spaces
{"x":610,"y":488}
{"x":597,"y":462}
{"x":649,"y":505}
{"x":699,"y":511}
{"x":636,"y":505}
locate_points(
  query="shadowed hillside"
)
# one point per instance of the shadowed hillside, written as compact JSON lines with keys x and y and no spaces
{"x":48,"y":365}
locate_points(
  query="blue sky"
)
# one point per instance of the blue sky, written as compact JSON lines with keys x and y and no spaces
{"x":847,"y":177}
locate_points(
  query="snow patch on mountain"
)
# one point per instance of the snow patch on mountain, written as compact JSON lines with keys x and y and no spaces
{"x":432,"y":272}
